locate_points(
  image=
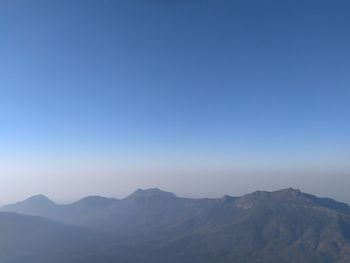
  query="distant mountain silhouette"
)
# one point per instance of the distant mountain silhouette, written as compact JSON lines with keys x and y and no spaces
{"x":156,"y":226}
{"x":95,"y":201}
{"x":37,"y":202}
{"x":154,"y":194}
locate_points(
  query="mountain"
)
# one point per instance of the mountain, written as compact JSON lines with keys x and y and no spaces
{"x":138,"y":212}
{"x":30,"y":239}
{"x":285,"y":226}
{"x":84,"y":210}
{"x":35,"y":205}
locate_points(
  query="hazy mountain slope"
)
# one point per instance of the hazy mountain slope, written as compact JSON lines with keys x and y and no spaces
{"x":32,"y":239}
{"x":284,"y":226}
{"x":143,"y":210}
{"x":155,"y":226}
{"x":77,"y":213}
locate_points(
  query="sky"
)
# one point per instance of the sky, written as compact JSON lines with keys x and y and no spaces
{"x":198,"y":97}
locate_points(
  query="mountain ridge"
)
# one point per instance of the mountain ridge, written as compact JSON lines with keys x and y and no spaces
{"x":161,"y":193}
{"x":283,"y":226}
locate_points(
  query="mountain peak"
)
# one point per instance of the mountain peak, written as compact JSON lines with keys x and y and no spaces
{"x":288,"y":190}
{"x":283,"y":195}
{"x":153,"y":193}
{"x":31,"y":203}
{"x":40,"y":198}
{"x":288,"y":193}
{"x":96,"y":201}
{"x":227,"y":198}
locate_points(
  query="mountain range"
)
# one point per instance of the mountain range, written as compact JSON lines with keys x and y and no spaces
{"x":284,"y":226}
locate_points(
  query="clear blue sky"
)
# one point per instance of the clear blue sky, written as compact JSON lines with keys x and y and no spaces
{"x":196,"y":84}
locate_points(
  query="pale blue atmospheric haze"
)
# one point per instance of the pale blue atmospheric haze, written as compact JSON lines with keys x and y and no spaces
{"x":195,"y":96}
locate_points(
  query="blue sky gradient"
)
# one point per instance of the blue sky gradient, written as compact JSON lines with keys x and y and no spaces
{"x":252,"y":85}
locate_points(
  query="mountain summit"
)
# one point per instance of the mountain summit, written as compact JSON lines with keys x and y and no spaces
{"x":31,"y":205}
{"x":38,"y":199}
{"x":151,"y":193}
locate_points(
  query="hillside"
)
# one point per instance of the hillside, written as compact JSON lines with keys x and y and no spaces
{"x":31,"y":239}
{"x":156,"y":226}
